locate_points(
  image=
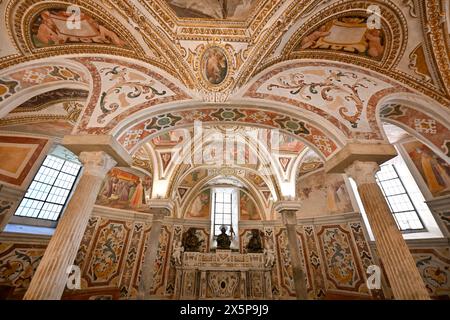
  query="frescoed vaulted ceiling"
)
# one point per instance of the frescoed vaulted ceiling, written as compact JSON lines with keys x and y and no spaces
{"x":319,"y":73}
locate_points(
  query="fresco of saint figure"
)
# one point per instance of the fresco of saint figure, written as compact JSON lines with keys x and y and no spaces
{"x":54,"y":27}
{"x":434,"y":170}
{"x":123,"y":190}
{"x":323,"y":194}
{"x":200,"y":206}
{"x":248,"y":208}
{"x":215,"y":65}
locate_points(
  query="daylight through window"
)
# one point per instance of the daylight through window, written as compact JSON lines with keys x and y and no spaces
{"x":50,"y":189}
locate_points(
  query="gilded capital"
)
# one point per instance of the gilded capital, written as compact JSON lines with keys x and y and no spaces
{"x":363,"y":172}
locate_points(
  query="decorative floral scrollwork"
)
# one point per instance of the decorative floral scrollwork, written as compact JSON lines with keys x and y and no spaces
{"x":334,"y":83}
{"x":123,"y":90}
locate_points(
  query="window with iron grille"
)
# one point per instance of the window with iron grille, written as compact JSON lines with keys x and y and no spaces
{"x":48,"y":192}
{"x":398,"y":199}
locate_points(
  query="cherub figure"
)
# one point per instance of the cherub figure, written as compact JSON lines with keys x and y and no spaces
{"x":178,"y":250}
{"x":269,"y":254}
{"x":310,"y":40}
{"x":375,"y":48}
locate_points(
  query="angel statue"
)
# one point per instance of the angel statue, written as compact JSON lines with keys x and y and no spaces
{"x":269,"y":255}
{"x":178,"y":250}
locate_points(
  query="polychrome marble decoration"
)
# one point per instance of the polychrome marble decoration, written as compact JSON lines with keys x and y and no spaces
{"x":342,"y":270}
{"x":214,"y":65}
{"x":348,"y":34}
{"x":169,"y":139}
{"x":13,"y":83}
{"x":61,"y":27}
{"x":294,"y":126}
{"x":434,"y":267}
{"x":434,"y":170}
{"x":107,"y":255}
{"x":18,"y":262}
{"x":123,"y":190}
{"x":125,"y":88}
{"x":17,"y":157}
{"x":200,"y":207}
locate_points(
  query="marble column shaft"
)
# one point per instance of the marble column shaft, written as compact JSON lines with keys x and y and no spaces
{"x":290,"y":221}
{"x":50,"y":278}
{"x":401,"y":270}
{"x":148,"y":265}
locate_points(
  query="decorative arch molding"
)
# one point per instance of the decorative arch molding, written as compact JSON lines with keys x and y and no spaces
{"x":419,"y":122}
{"x":202,"y":185}
{"x":393,"y":24}
{"x":22,"y":82}
{"x":137,"y":132}
{"x":314,"y":86}
{"x":269,"y":182}
{"x":145,"y":160}
{"x":266,"y":158}
{"x":436,"y":33}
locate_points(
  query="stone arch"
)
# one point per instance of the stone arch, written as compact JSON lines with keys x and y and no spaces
{"x":24,"y":81}
{"x":425,"y":120}
{"x":202,"y":185}
{"x":130,"y":136}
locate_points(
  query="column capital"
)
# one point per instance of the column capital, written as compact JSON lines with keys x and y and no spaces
{"x":160,"y":208}
{"x":363,"y":172}
{"x":96,"y":163}
{"x":94,"y":142}
{"x":288,"y":210}
{"x":378,"y":152}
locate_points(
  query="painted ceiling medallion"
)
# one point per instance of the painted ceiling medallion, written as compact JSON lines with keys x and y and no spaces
{"x":214,"y":65}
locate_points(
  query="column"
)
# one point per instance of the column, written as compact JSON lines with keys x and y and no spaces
{"x":148,"y":265}
{"x":50,"y":279}
{"x":398,"y":262}
{"x":289,"y":218}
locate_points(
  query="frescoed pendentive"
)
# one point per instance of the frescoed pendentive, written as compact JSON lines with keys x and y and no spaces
{"x":65,"y":25}
{"x":248,"y":208}
{"x":200,"y":206}
{"x":434,"y":170}
{"x":214,"y":65}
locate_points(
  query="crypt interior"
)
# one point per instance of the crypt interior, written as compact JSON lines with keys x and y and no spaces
{"x":225,"y":149}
